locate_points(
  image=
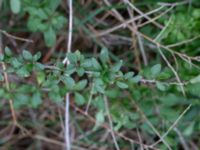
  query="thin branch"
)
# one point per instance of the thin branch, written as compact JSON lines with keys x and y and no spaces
{"x":140,"y":139}
{"x":155,"y":18}
{"x":141,"y":45}
{"x":173,"y":70}
{"x":183,"y":42}
{"x":90,"y":99}
{"x":143,"y":14}
{"x":105,"y":126}
{"x":15,"y":37}
{"x":67,"y":98}
{"x":175,"y":4}
{"x":125,"y":23}
{"x":159,"y":36}
{"x":8,"y":85}
{"x":69,"y":43}
{"x":150,"y":125}
{"x":110,"y":123}
{"x":173,"y":125}
{"x":67,"y":122}
{"x":182,"y":140}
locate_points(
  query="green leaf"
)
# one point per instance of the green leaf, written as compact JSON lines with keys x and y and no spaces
{"x":99,"y":81}
{"x":27,"y":55}
{"x":194,"y":89}
{"x":104,"y":55}
{"x":1,"y":77}
{"x":39,"y":66}
{"x":100,"y":89}
{"x":72,"y":58}
{"x":135,"y":79}
{"x":70,"y":69}
{"x":117,"y":66}
{"x":15,"y":6}
{"x":58,"y":22}
{"x":122,"y":85}
{"x":96,"y":74}
{"x":78,"y":55}
{"x":96,"y":64}
{"x":15,"y":63}
{"x":35,"y":23}
{"x":113,"y":93}
{"x":37,"y":56}
{"x":169,"y":113}
{"x":80,"y":71}
{"x":160,"y":86}
{"x":195,"y":80}
{"x":189,"y":130}
{"x":40,"y":77}
{"x":86,"y":63}
{"x":100,"y":117}
{"x":55,"y":97}
{"x":23,"y":72}
{"x":171,"y":99}
{"x":52,"y":4}
{"x":80,"y":85}
{"x":79,"y":99}
{"x":99,"y":86}
{"x":21,"y":100}
{"x":128,"y":75}
{"x":69,"y":82}
{"x":1,"y":57}
{"x":50,"y":37}
{"x":8,"y":51}
{"x":164,"y":75}
{"x":36,"y":100}
{"x":98,"y":102}
{"x":155,"y":70}
{"x":2,"y":93}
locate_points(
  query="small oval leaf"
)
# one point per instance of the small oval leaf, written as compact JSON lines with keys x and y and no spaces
{"x":155,"y":70}
{"x":15,"y":6}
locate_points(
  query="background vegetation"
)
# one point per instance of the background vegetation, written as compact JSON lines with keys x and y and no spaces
{"x":133,"y":74}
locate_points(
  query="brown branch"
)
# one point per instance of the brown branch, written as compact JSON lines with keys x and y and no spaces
{"x":15,"y":37}
{"x":7,"y":85}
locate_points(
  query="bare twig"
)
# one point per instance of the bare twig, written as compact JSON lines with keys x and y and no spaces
{"x":141,"y":45}
{"x":110,"y":123}
{"x":70,"y":30}
{"x":15,"y":37}
{"x":67,"y":122}
{"x":132,"y":28}
{"x":7,"y":85}
{"x":173,"y":70}
{"x":135,"y":36}
{"x":159,"y":36}
{"x":182,"y":140}
{"x":108,"y":128}
{"x":150,"y":124}
{"x":90,"y":99}
{"x":143,"y":14}
{"x":183,"y":42}
{"x":125,"y":23}
{"x":173,"y":125}
{"x":67,"y":97}
{"x":175,"y":4}
{"x":140,"y":139}
{"x":155,"y":18}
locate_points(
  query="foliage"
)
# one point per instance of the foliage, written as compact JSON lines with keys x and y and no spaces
{"x":183,"y":25}
{"x":134,"y":92}
{"x":43,"y":17}
{"x":102,"y":79}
